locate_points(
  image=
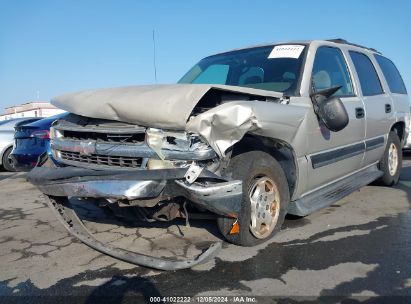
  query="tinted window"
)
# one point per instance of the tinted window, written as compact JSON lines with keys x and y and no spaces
{"x":214,"y":74}
{"x":369,"y":81}
{"x":330,"y":70}
{"x":391,"y":74}
{"x":253,"y":68}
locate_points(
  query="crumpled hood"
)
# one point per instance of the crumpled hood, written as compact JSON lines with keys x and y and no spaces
{"x":160,"y":106}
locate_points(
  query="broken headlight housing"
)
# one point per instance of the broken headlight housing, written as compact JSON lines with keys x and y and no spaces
{"x":189,"y":147}
{"x":158,"y":139}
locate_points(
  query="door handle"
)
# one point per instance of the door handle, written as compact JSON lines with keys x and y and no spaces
{"x":387,"y":108}
{"x":359,"y":113}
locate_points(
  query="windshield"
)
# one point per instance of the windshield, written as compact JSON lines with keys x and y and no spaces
{"x":273,"y":68}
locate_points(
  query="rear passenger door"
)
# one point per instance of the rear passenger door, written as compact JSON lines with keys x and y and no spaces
{"x":378,"y":106}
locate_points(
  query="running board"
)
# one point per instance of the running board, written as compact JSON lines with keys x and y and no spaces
{"x":332,"y":193}
{"x":68,"y":217}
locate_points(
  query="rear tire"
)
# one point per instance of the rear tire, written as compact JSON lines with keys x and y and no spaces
{"x":265,"y":199}
{"x":7,"y":164}
{"x":391,"y":161}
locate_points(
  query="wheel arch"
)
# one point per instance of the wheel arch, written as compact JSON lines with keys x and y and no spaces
{"x":278,"y":149}
{"x":5,"y":148}
{"x":399,"y":129}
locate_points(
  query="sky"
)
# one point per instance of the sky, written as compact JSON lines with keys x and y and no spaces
{"x":51,"y":47}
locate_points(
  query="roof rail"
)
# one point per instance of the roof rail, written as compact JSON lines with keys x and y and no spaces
{"x":343,"y":41}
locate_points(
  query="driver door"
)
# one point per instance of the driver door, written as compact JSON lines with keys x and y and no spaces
{"x":333,"y":155}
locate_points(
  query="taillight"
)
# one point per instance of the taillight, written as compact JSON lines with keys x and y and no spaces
{"x":42,"y":134}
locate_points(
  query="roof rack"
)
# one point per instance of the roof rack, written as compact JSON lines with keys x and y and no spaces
{"x":343,"y":41}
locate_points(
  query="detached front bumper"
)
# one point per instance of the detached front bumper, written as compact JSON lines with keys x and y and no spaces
{"x":67,"y":216}
{"x":211,"y":192}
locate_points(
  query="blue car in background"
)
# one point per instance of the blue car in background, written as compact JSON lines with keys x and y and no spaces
{"x":30,"y":142}
{"x":7,"y":129}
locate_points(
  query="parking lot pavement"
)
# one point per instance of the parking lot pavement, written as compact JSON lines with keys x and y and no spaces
{"x":359,"y":247}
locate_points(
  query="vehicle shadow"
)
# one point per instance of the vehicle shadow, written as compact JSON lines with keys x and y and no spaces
{"x":380,"y":246}
{"x":121,"y":289}
{"x":6,"y":174}
{"x":406,"y":154}
{"x":405,"y":176}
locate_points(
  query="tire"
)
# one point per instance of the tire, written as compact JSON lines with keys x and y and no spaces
{"x":259,"y":171}
{"x":7,"y":165}
{"x":391,"y":162}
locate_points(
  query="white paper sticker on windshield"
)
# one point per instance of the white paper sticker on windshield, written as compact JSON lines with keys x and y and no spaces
{"x":286,"y":51}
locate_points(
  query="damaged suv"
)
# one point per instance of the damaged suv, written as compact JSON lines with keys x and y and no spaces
{"x":247,"y":135}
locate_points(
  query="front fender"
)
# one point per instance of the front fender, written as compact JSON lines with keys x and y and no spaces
{"x":225,"y":125}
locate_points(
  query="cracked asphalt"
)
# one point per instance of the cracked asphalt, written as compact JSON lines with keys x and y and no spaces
{"x":352,"y":251}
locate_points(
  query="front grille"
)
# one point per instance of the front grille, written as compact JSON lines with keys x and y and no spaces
{"x":102,"y":160}
{"x":107,"y":137}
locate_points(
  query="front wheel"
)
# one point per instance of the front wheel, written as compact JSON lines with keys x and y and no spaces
{"x":391,"y":161}
{"x":265,"y":199}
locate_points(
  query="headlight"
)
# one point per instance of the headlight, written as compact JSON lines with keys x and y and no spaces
{"x":55,"y":133}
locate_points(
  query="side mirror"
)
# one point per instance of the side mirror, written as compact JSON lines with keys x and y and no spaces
{"x":330,"y":110}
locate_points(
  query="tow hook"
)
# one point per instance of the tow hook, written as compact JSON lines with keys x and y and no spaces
{"x":193,"y":173}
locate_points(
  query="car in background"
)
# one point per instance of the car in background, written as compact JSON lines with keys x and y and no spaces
{"x":407,"y":144}
{"x":7,"y":138}
{"x":30,"y":142}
